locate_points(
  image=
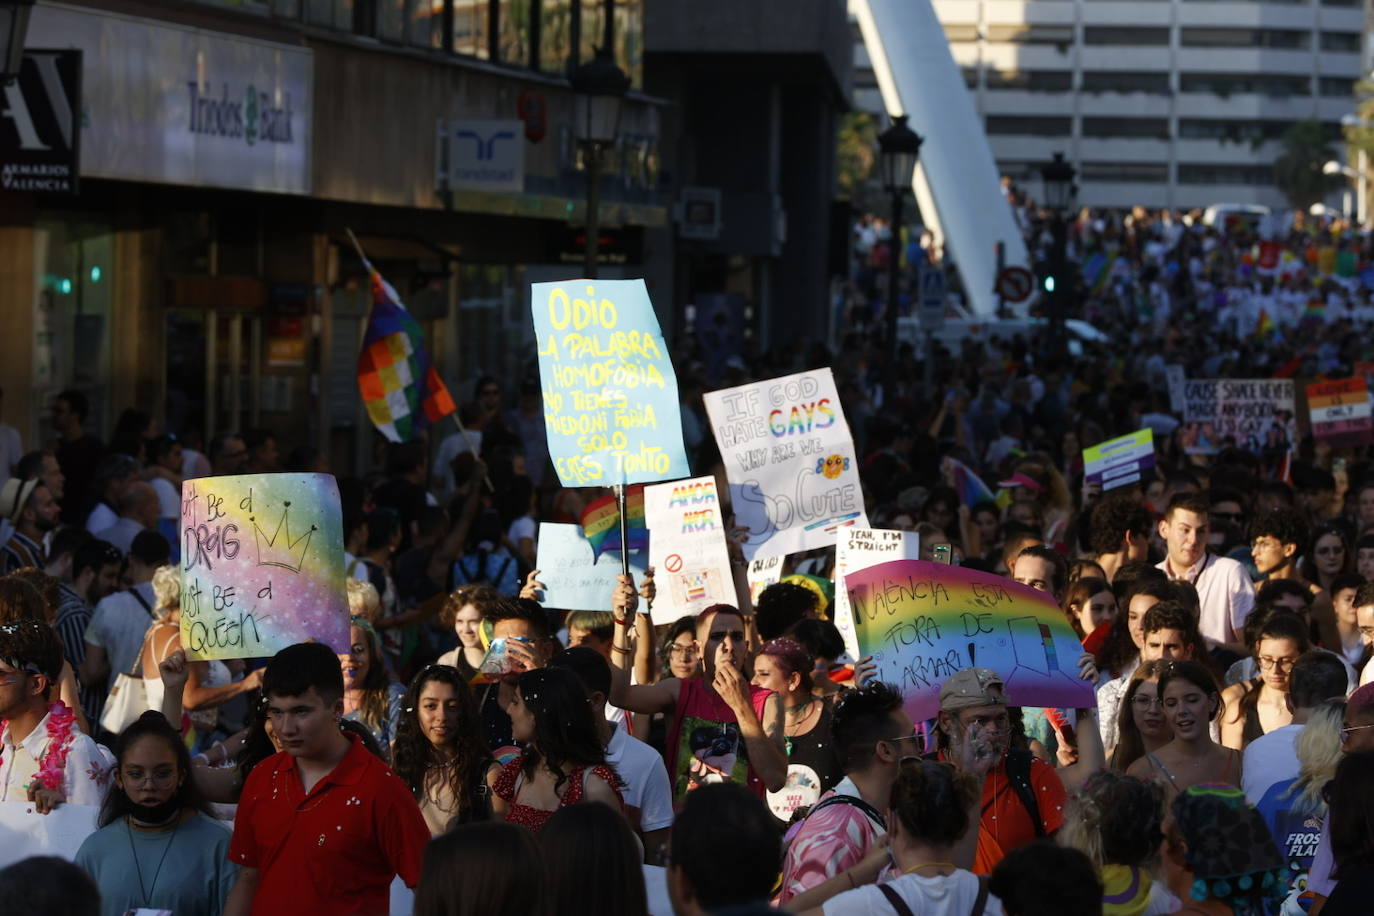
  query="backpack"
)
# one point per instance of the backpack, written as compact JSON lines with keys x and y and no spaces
{"x":479,"y":568}
{"x":1018,"y":774}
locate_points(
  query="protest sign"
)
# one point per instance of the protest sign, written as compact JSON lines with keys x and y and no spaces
{"x":860,"y":548}
{"x":24,"y":832}
{"x":1176,"y":378}
{"x":262,"y":565}
{"x":922,"y":622}
{"x":610,"y":396}
{"x":789,"y":458}
{"x":1339,"y":412}
{"x":573,"y":579}
{"x":1120,"y":461}
{"x":1256,"y":415}
{"x":763,"y":572}
{"x":687,"y":548}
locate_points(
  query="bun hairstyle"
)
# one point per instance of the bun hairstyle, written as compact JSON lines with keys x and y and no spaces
{"x":1116,"y":819}
{"x":1194,"y":673}
{"x":932,"y":800}
{"x":791,"y":657}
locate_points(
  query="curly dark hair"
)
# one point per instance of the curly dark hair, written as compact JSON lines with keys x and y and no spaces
{"x":932,"y":800}
{"x":565,"y":729}
{"x":1282,"y":523}
{"x":481,"y":596}
{"x":1112,"y":519}
{"x":414,"y":755}
{"x":780,"y":606}
{"x":861,"y":719}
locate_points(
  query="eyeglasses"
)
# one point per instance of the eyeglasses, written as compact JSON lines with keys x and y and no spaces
{"x":1143,"y":702}
{"x":683,"y":651}
{"x":157,"y":777}
{"x":1282,"y":664}
{"x":1347,"y":729}
{"x":1367,"y":633}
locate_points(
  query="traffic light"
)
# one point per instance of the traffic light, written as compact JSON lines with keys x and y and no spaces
{"x":1049,"y":283}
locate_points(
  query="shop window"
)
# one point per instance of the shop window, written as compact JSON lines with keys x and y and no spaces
{"x":472,"y":28}
{"x":556,"y":36}
{"x":629,"y":39}
{"x":425,"y":23}
{"x":514,"y":39}
{"x":72,"y":315}
{"x":334,"y":14}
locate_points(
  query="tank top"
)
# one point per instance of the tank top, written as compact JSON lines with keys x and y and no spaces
{"x":705,"y":741}
{"x":534,"y":819}
{"x":813,"y":768}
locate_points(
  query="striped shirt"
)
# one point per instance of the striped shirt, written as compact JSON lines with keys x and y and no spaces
{"x":73,"y":616}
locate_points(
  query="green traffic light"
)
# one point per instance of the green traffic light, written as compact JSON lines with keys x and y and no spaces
{"x":64,"y":286}
{"x":1049,"y":284}
{"x":95,"y":274}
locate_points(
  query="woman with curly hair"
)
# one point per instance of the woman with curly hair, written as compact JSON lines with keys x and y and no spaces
{"x":564,"y":761}
{"x":465,"y":611}
{"x":1116,"y":821}
{"x":371,"y":697}
{"x":439,"y":751}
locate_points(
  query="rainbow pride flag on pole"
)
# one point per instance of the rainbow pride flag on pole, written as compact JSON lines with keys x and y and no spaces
{"x":1098,"y":269}
{"x":601,"y":522}
{"x":399,"y":385}
{"x":969,"y":485}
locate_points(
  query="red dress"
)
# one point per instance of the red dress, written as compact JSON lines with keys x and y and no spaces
{"x":534,"y":819}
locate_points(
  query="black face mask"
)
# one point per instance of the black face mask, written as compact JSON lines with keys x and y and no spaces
{"x":155,"y":815}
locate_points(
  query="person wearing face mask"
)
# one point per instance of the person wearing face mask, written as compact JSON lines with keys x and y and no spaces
{"x":439,"y":751}
{"x":158,"y":847}
{"x":723,"y":729}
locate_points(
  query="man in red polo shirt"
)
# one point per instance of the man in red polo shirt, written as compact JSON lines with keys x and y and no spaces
{"x":324,"y":826}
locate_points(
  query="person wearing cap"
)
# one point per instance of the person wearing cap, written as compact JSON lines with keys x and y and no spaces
{"x":1022,"y":796}
{"x":1221,"y":854}
{"x":29,"y":506}
{"x":112,"y":476}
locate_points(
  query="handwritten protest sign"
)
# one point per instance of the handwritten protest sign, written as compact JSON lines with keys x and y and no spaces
{"x":1176,"y":378}
{"x":573,"y":579}
{"x":1120,"y":461}
{"x":610,"y":395}
{"x":763,"y":572}
{"x":1339,"y":412}
{"x":687,"y":548}
{"x":860,"y":548}
{"x":24,"y":832}
{"x":789,"y":458}
{"x":1256,"y":415}
{"x":922,"y":622}
{"x":261,"y":565}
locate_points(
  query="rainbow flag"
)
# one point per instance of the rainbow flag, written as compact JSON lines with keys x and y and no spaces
{"x":399,"y":385}
{"x":1265,"y":325}
{"x":969,"y":485}
{"x":1315,"y":311}
{"x":1098,"y":269}
{"x":601,"y":522}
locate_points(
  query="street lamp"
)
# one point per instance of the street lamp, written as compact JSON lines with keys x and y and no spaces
{"x":14,"y":24}
{"x":898,"y":148}
{"x":1060,"y":191}
{"x":599,"y":86}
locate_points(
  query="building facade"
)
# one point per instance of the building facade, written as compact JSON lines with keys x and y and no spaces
{"x":1165,"y":103}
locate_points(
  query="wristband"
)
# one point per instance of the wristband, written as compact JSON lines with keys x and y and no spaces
{"x":621,"y":622}
{"x":615,"y":648}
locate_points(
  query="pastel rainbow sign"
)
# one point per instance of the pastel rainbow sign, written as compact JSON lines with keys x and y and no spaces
{"x":790,"y":462}
{"x":610,"y":395}
{"x":922,"y":622}
{"x":261,"y":565}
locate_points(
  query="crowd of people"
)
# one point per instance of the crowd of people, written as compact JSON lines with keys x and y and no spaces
{"x":499,"y":755}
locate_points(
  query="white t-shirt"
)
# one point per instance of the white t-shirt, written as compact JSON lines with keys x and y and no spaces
{"x":118,"y":625}
{"x":945,"y":895}
{"x":522,"y":527}
{"x":646,"y":779}
{"x":1270,"y":758}
{"x":167,"y":498}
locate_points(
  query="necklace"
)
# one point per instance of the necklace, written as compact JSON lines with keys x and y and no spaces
{"x":908,"y":871}
{"x":148,"y":891}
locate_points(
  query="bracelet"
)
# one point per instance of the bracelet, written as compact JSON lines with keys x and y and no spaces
{"x":615,"y":648}
{"x":621,"y":622}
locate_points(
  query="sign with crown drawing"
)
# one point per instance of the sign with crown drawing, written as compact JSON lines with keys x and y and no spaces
{"x":262,"y":565}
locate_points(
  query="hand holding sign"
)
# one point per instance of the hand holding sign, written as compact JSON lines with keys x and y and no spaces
{"x":261,"y":565}
{"x":922,"y":622}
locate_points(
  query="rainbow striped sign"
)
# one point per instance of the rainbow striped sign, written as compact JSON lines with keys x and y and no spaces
{"x":922,"y":622}
{"x":1340,"y":412}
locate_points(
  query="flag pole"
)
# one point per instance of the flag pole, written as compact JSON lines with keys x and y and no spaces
{"x":462,"y":430}
{"x":624,"y":541}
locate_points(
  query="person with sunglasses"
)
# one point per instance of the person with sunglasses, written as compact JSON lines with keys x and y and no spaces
{"x":871,"y":734}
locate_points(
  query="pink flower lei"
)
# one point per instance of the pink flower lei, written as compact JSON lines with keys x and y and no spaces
{"x":61,"y":727}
